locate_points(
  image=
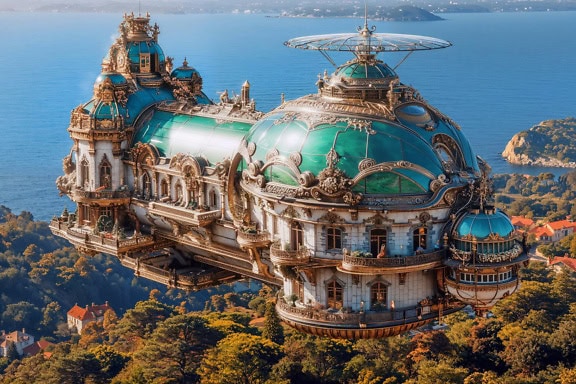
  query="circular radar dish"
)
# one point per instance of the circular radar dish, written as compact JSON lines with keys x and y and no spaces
{"x":367,"y":41}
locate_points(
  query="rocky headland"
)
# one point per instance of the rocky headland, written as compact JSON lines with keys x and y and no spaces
{"x":551,"y":143}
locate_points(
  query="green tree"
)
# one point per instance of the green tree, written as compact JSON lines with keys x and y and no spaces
{"x":273,"y":329}
{"x":433,"y":372}
{"x":175,"y":349}
{"x":138,"y":323}
{"x":239,"y":359}
{"x":110,"y":361}
{"x":11,"y":352}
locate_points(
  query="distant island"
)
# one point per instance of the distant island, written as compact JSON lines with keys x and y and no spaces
{"x":550,"y":143}
{"x":411,"y":10}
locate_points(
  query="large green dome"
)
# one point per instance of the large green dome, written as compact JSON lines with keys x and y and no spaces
{"x":407,"y":162}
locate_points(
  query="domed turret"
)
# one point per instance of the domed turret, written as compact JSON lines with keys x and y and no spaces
{"x":485,"y":254}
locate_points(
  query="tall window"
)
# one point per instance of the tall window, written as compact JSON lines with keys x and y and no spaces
{"x":86,"y":213}
{"x":213,"y":198}
{"x":377,"y":240}
{"x":105,"y":174}
{"x":179,"y":193}
{"x":333,"y":238}
{"x":379,"y":295}
{"x":296,"y":235}
{"x":85,"y":173}
{"x":144,"y":63}
{"x":146,"y":186}
{"x":164,"y":190}
{"x":420,"y":239}
{"x":335,"y":295}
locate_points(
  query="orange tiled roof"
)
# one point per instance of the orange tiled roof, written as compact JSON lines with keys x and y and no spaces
{"x":561,"y":224}
{"x":542,"y":231}
{"x":522,"y":221}
{"x":13,"y":337}
{"x":567,"y":261}
{"x":38,"y":346}
{"x":90,"y":312}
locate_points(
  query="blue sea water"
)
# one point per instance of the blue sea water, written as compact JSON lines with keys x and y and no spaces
{"x":505,"y":73}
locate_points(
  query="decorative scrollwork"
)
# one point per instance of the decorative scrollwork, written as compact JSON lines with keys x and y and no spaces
{"x":251,"y":147}
{"x":272,"y":154}
{"x":365,"y":164}
{"x":296,"y":158}
{"x":306,"y":179}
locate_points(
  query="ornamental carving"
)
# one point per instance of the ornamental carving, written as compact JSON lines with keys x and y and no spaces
{"x":290,"y":212}
{"x":332,"y":218}
{"x":365,"y":164}
{"x":333,"y":180}
{"x":221,"y":168}
{"x":145,"y":154}
{"x":424,"y":217}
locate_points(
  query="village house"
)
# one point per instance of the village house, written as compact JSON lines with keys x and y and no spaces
{"x":559,"y":263}
{"x":20,"y":339}
{"x":554,"y":231}
{"x":79,"y":317}
{"x":522,"y":223}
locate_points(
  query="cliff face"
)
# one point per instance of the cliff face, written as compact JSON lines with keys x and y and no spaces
{"x":551,"y":143}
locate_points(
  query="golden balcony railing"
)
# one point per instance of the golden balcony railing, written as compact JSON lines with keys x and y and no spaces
{"x":80,"y":194}
{"x":355,"y":264}
{"x":362,"y":324}
{"x":183,"y":278}
{"x":253,"y":238}
{"x":104,"y":242}
{"x":184,"y":215}
{"x":280,"y":256}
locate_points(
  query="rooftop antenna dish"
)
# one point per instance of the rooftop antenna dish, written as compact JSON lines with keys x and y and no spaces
{"x":366,"y":42}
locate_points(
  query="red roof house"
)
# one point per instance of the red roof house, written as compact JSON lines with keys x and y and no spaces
{"x":563,"y":262}
{"x":78,"y":317}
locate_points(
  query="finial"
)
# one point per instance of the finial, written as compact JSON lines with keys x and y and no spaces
{"x":185,"y":63}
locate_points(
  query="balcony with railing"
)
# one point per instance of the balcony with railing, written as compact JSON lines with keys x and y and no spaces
{"x":280,"y":256}
{"x":356,"y":264}
{"x":247,"y":237}
{"x":184,"y":215}
{"x":81,"y":195}
{"x":362,"y":324}
{"x":104,"y":242}
{"x":187,"y":278}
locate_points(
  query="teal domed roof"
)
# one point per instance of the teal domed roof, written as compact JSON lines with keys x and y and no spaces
{"x":115,"y":78}
{"x":380,"y":156}
{"x":359,"y":70}
{"x":184,"y":72}
{"x":484,"y":224}
{"x":136,"y":48}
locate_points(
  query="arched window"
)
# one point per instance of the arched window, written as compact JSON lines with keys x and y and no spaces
{"x":146,"y":186}
{"x":164,"y":188}
{"x":378,"y":240}
{"x":105,"y":173}
{"x":333,"y":238}
{"x":213,"y":197}
{"x":378,"y":295}
{"x":420,"y":239}
{"x":85,"y":173}
{"x":179,"y":193}
{"x":335,"y":294}
{"x":296,"y":235}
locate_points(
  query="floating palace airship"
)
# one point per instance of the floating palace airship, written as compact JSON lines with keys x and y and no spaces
{"x":362,"y":203}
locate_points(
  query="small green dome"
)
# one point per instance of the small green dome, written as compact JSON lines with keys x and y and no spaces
{"x":360,"y":70}
{"x":115,"y":78}
{"x":184,"y":72}
{"x":482,"y":225}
